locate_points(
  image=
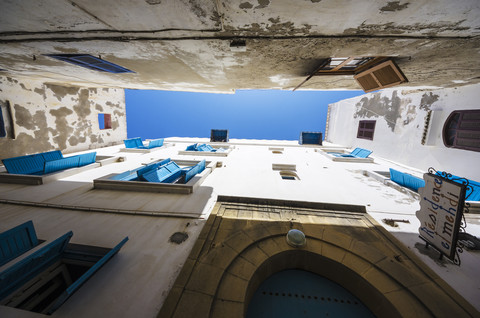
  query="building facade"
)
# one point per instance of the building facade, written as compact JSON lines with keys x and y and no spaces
{"x":264,"y":219}
{"x":207,"y":252}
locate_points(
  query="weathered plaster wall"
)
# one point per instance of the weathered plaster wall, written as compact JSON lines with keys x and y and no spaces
{"x":185,"y":45}
{"x":400,"y":117}
{"x":47,"y":117}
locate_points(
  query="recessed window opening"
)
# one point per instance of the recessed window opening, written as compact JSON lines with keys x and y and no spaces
{"x":366,"y":129}
{"x":288,"y":175}
{"x":3,"y":132}
{"x":91,"y":62}
{"x":219,"y":135}
{"x":310,"y":138}
{"x":371,"y":73}
{"x":44,"y":280}
{"x":6,"y":126}
{"x":276,"y":150}
{"x":462,"y":130}
{"x":105,"y":121}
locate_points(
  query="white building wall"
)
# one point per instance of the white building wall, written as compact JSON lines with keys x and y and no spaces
{"x":139,"y":278}
{"x":47,"y":117}
{"x":400,"y":118}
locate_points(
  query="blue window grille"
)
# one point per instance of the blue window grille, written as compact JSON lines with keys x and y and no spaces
{"x":90,"y":62}
{"x":219,"y":135}
{"x":311,"y":138}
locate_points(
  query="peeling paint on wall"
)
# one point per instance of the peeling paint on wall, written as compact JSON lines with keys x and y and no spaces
{"x":262,"y":4}
{"x":427,"y":100}
{"x":48,"y":116}
{"x":61,"y":91}
{"x":378,"y":106}
{"x":394,"y":6}
{"x":245,"y":5}
{"x":404,"y":142}
{"x":63,"y":129}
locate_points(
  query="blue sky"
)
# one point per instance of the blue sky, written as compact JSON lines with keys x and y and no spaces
{"x":247,"y":114}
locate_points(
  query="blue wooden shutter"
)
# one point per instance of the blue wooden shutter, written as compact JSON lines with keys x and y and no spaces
{"x":16,"y":241}
{"x":86,"y":159}
{"x":18,"y":274}
{"x":61,"y":164}
{"x":198,"y":168}
{"x":29,"y":164}
{"x":79,"y":282}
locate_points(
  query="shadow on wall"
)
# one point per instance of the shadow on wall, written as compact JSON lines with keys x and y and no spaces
{"x":78,"y":195}
{"x":241,"y":246}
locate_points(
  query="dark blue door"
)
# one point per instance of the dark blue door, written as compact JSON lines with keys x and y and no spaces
{"x":297,"y":293}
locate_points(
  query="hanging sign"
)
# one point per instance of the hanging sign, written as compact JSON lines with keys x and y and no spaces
{"x":440,"y":214}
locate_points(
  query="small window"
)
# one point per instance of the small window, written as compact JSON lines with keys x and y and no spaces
{"x":6,"y":121}
{"x":105,"y":121}
{"x":366,"y":129}
{"x":310,"y":138}
{"x":219,"y":135}
{"x":3,"y":132}
{"x":462,"y":130}
{"x":288,"y":175}
{"x":90,"y":62}
{"x":276,"y":150}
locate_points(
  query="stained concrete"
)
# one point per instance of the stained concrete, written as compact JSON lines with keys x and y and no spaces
{"x":47,"y":117}
{"x":185,"y":45}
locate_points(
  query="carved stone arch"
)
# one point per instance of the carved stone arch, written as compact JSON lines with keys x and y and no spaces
{"x":240,"y":247}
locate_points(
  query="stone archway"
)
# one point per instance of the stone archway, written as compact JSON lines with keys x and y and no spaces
{"x":243,"y":244}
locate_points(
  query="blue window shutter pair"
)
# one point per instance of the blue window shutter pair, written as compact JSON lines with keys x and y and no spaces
{"x":163,"y":174}
{"x":15,"y":276}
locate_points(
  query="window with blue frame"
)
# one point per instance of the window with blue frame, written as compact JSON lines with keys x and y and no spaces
{"x":91,"y":62}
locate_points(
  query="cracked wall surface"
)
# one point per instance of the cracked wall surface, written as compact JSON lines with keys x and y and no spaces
{"x":47,"y":117}
{"x":185,"y":45}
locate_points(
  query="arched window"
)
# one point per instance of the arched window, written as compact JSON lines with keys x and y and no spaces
{"x":462,"y":130}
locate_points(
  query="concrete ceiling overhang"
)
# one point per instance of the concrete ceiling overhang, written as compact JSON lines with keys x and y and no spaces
{"x":185,"y":45}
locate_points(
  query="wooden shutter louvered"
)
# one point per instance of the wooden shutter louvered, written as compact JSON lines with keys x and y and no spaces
{"x":383,"y":75}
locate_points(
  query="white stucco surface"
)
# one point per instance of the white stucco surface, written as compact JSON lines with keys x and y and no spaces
{"x":48,"y":117}
{"x":400,"y":117}
{"x":137,"y":280}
